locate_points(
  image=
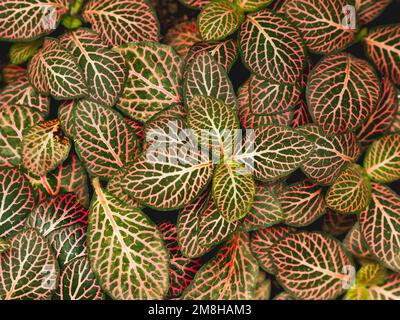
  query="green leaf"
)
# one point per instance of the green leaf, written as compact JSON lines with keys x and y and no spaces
{"x":28,"y":270}
{"x":126,"y":250}
{"x":233,"y":190}
{"x":382,"y":160}
{"x":154,"y":79}
{"x":371,"y":274}
{"x":4,"y":245}
{"x":380,"y":226}
{"x":230,"y":275}
{"x":22,"y":52}
{"x":218,"y":20}
{"x":44,"y":147}
{"x":351,"y":192}
{"x":71,"y":23}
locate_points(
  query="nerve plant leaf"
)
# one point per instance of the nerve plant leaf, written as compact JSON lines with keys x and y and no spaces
{"x":324,"y":24}
{"x":308,"y":275}
{"x":230,"y":275}
{"x":382,"y":47}
{"x":338,"y":224}
{"x":369,"y":10}
{"x":23,"y":20}
{"x":103,"y":140}
{"x":330,"y":154}
{"x":219,"y":19}
{"x":44,"y":147}
{"x":302,"y":203}
{"x":382,"y":160}
{"x":126,"y":250}
{"x":351,"y":192}
{"x":271,"y":47}
{"x":22,"y":52}
{"x":182,"y":37}
{"x":28,"y":270}
{"x":355,"y":243}
{"x":4,"y":245}
{"x":355,"y":95}
{"x":103,"y":69}
{"x":17,"y":201}
{"x":122,"y":21}
{"x":13,"y":121}
{"x":251,"y":5}
{"x":12,"y":73}
{"x":78,"y":282}
{"x":54,"y":71}
{"x":390,"y":290}
{"x":380,"y":226}
{"x":195,"y":4}
{"x":154,"y":79}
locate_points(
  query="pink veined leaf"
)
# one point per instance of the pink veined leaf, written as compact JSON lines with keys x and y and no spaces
{"x":54,"y":71}
{"x":13,"y":121}
{"x":269,"y":97}
{"x":322,"y":23}
{"x":265,"y":211}
{"x":383,"y":48}
{"x":390,"y":290}
{"x":182,"y":37}
{"x":182,"y":269}
{"x":21,"y":52}
{"x":251,"y":5}
{"x":17,"y":199}
{"x":12,"y":73}
{"x":331,"y":153}
{"x":355,"y":243}
{"x":302,"y":203}
{"x":78,"y":282}
{"x":342,"y":93}
{"x":230,"y":275}
{"x":369,"y":10}
{"x":57,"y":213}
{"x":122,"y":21}
{"x":66,"y":115}
{"x":306,"y":73}
{"x":103,"y":69}
{"x":23,"y":20}
{"x":271,"y":47}
{"x":395,"y":127}
{"x":154,"y":79}
{"x":263,"y":240}
{"x":338,"y":224}
{"x":21,"y":93}
{"x":195,"y":4}
{"x":224,"y":52}
{"x":44,"y":147}
{"x":137,"y":127}
{"x":311,"y":266}
{"x":380,"y":226}
{"x":26,"y":267}
{"x":382,"y":118}
{"x":301,"y":116}
{"x":103,"y":140}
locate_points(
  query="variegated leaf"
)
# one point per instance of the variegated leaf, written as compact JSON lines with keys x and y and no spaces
{"x":103,"y":140}
{"x":78,"y":282}
{"x":351,"y":192}
{"x":342,"y":93}
{"x":331,"y":153}
{"x":271,"y":47}
{"x":311,"y":265}
{"x":338,"y":224}
{"x":16,"y":201}
{"x":369,"y":10}
{"x":29,"y":270}
{"x":54,"y":71}
{"x":263,"y":240}
{"x":126,"y":250}
{"x":219,"y":19}
{"x":12,"y":73}
{"x":233,"y":190}
{"x":269,"y":97}
{"x":323,"y":24}
{"x":230,"y":275}
{"x":251,"y":5}
{"x":390,"y":290}
{"x":154,"y":79}
{"x":382,"y":118}
{"x":380,"y":226}
{"x":66,"y":115}
{"x":355,"y":243}
{"x":122,"y":21}
{"x":22,"y":52}
{"x":224,"y":52}
{"x":301,"y":115}
{"x":44,"y":147}
{"x":103,"y":69}
{"x":302,"y":203}
{"x":13,"y":121}
{"x":114,"y":188}
{"x":382,"y":160}
{"x":23,"y":20}
{"x":383,"y":48}
{"x":265,"y":211}
{"x":182,"y":37}
{"x":205,"y":77}
{"x":371,"y":274}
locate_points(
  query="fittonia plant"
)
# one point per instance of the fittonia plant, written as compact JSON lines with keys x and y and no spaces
{"x":247,"y":149}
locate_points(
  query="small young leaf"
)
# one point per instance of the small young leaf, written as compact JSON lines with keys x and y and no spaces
{"x":369,"y":10}
{"x":371,"y":274}
{"x":4,"y":245}
{"x":355,"y":243}
{"x":338,"y":224}
{"x":388,"y":291}
{"x":182,"y":37}
{"x":195,"y":4}
{"x":22,"y":52}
